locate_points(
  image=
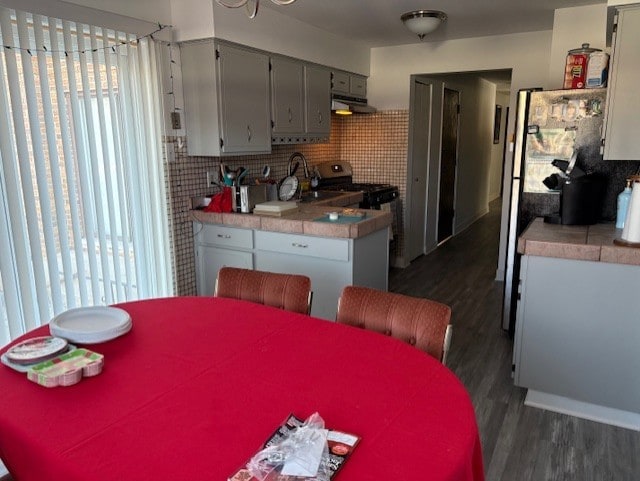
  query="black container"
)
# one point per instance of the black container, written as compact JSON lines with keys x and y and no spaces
{"x":580,"y":201}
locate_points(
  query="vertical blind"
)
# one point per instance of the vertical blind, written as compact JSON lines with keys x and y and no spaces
{"x":83,"y":209}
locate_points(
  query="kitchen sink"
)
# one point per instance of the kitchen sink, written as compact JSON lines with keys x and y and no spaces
{"x":318,"y":195}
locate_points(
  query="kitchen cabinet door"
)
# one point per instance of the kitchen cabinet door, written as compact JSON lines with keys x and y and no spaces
{"x":226,"y":98}
{"x":351,"y":85}
{"x":244,"y":100}
{"x":317,"y":100}
{"x":287,"y":100}
{"x":209,"y":260}
{"x":577,"y":334}
{"x":623,"y":102}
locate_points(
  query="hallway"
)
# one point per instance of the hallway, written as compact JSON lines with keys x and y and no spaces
{"x":519,"y":443}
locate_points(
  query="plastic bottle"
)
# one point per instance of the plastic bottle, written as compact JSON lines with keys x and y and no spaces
{"x":623,"y":205}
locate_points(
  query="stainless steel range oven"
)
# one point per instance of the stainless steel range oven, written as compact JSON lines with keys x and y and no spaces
{"x":338,"y":176}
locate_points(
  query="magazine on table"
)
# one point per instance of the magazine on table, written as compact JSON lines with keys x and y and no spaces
{"x":340,"y":446}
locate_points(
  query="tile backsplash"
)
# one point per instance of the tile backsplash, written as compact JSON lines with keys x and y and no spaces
{"x":375,"y":144}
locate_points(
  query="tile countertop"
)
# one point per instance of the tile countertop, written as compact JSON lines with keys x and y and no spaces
{"x":302,"y":221}
{"x":578,"y":242}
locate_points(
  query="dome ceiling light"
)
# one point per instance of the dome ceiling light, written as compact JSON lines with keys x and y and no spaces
{"x":251,"y":5}
{"x":423,"y":22}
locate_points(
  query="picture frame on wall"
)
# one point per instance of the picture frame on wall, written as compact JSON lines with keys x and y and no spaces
{"x":496,"y":124}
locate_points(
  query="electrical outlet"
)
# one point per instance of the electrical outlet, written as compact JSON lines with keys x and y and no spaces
{"x":212,"y":178}
{"x":175,"y":121}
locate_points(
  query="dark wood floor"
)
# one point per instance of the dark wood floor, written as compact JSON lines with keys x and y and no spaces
{"x":519,"y":443}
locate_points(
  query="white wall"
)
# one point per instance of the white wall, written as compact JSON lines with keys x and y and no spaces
{"x":116,"y":14}
{"x":526,"y":54}
{"x":269,"y":30}
{"x":571,"y":28}
{"x":150,"y":10}
{"x":495,"y":171}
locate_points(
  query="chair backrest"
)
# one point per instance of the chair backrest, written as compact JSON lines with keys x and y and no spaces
{"x":285,"y":291}
{"x":420,"y":322}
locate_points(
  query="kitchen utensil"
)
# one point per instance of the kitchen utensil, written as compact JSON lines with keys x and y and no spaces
{"x":266,"y":170}
{"x":229,"y":175}
{"x":242,"y":175}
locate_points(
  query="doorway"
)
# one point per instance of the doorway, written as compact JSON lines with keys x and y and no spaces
{"x":448,"y":160}
{"x":464,"y":169}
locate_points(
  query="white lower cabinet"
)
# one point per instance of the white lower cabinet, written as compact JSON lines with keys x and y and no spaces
{"x":216,"y":247}
{"x":330,"y":263}
{"x":578,"y":331}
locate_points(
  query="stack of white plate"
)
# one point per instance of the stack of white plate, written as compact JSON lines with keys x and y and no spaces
{"x":91,"y":325}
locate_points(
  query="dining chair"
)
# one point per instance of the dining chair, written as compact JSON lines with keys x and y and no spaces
{"x":422,"y":323}
{"x":290,"y":292}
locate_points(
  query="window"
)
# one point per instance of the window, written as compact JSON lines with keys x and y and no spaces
{"x":83,"y":211}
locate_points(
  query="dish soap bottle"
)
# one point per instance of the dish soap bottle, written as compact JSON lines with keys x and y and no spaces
{"x":623,"y":205}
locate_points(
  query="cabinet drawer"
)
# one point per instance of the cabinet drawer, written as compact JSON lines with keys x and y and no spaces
{"x":226,"y":236}
{"x":336,"y":249}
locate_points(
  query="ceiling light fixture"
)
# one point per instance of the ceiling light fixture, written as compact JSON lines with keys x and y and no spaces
{"x":251,"y":5}
{"x":422,"y":22}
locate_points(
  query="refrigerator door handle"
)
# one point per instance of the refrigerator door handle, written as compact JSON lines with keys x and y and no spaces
{"x":522,"y":110}
{"x":510,"y":274}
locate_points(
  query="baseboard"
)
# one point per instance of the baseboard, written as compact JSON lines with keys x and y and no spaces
{"x":592,"y":412}
{"x":469,"y":222}
{"x":399,"y":262}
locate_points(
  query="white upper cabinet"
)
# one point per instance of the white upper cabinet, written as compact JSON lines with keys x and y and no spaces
{"x":226,"y":91}
{"x":287,"y":96}
{"x":623,"y":102}
{"x":317,"y":82}
{"x":348,"y":84}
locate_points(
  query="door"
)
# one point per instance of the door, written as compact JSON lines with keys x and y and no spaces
{"x":244,"y":100}
{"x":318,"y":100}
{"x":286,"y":96}
{"x":419,"y":145}
{"x":448,"y":158}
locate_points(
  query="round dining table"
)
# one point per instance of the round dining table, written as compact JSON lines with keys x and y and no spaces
{"x":199,"y":383}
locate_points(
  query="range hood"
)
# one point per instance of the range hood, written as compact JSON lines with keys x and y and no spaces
{"x":345,"y":104}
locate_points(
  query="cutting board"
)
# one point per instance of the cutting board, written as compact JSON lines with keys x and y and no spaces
{"x":275,"y":207}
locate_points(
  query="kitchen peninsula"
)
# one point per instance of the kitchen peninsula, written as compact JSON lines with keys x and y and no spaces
{"x":577,"y":333}
{"x":332,"y":254}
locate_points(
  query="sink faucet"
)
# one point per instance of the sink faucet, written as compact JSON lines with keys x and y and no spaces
{"x":305,"y":167}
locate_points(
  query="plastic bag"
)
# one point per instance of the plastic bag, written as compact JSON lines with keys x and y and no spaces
{"x":220,"y":202}
{"x":301,"y":452}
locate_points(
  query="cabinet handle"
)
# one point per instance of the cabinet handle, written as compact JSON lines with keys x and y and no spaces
{"x":297,"y":244}
{"x":224,"y":236}
{"x":249,"y":133}
{"x":319,"y":117}
{"x":290,"y":116}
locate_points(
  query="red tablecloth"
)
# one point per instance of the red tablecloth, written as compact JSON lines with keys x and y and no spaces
{"x":199,"y":383}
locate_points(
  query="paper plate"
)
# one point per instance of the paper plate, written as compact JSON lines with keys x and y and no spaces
{"x":90,"y":325}
{"x":36,"y":349}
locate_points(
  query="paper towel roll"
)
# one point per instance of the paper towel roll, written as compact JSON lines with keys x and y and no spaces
{"x":631,"y":230}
